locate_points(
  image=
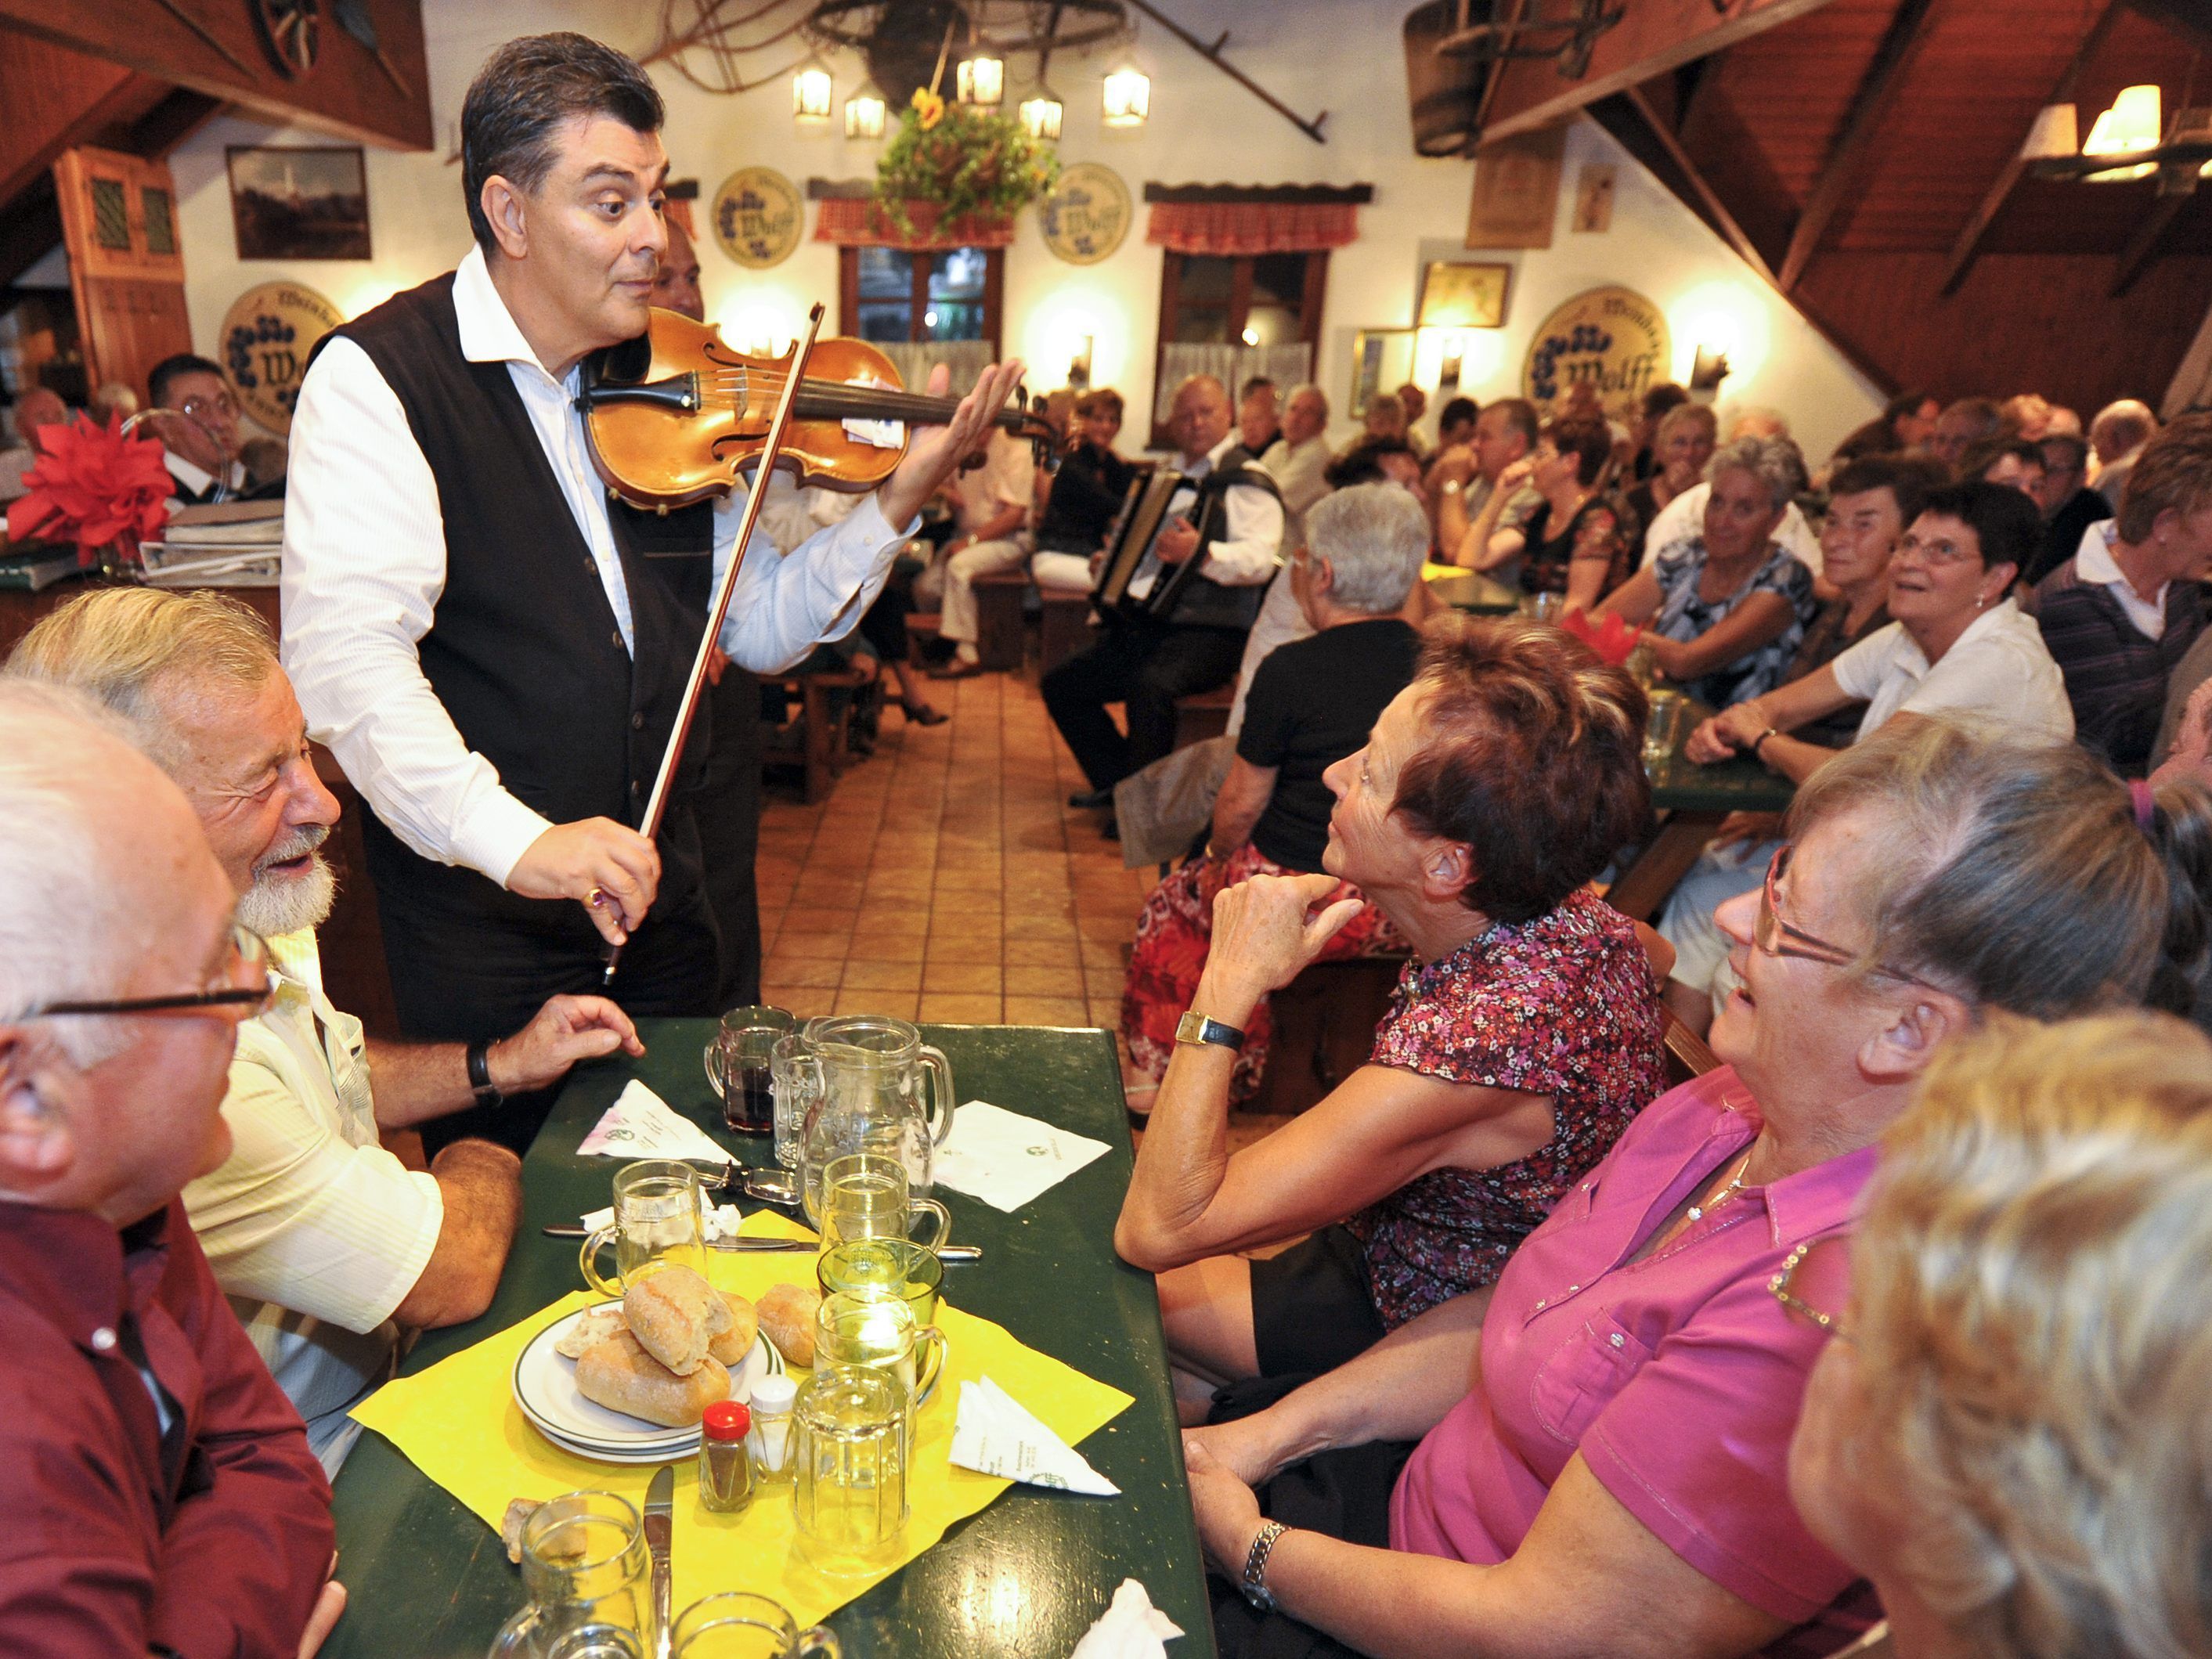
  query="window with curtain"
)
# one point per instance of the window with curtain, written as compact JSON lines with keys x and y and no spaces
{"x":892,"y":295}
{"x":1235,"y":316}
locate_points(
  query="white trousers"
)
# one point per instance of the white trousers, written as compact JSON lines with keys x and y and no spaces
{"x":954,"y":580}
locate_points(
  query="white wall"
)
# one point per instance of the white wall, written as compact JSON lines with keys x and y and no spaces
{"x":1204,"y":129}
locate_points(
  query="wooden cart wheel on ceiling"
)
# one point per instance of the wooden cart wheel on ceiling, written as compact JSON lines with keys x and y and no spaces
{"x":292,"y":29}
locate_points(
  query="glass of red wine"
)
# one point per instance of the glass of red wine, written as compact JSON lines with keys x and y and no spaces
{"x":739,"y":1066}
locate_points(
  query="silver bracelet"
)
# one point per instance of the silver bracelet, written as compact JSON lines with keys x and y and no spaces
{"x":1255,"y":1581}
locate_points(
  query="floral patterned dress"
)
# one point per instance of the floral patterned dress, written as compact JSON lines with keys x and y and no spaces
{"x":1563,"y":1004}
{"x":1684,"y":615}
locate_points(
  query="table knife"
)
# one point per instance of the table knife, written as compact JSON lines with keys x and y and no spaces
{"x":659,"y":1498}
{"x":750,"y":1242}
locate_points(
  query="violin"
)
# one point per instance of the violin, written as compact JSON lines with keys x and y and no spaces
{"x":676,"y":416}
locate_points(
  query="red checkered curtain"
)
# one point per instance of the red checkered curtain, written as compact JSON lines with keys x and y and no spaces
{"x":857,"y":222}
{"x":1235,"y":228}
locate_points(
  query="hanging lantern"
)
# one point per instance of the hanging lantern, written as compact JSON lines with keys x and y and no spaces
{"x":981,"y":80}
{"x":811,"y":90}
{"x":2132,"y":124}
{"x":864,"y":112}
{"x":1040,"y":113}
{"x":1128,"y":97}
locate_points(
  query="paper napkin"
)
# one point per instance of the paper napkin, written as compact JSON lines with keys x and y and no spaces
{"x":1006,"y":1160}
{"x":723,"y":1220}
{"x":994,"y":1434}
{"x":640,"y":1124}
{"x":1131,"y":1628}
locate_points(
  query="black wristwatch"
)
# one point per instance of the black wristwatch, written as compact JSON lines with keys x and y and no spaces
{"x":1194,"y":1027}
{"x":486,"y":1091}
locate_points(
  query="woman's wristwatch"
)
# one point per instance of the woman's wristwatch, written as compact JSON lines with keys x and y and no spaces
{"x":1253,"y":1581}
{"x":1759,"y":742}
{"x":1194,"y":1027}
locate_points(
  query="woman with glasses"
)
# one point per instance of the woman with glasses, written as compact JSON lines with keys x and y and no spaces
{"x":2006,"y":1431}
{"x":1603,"y":1438}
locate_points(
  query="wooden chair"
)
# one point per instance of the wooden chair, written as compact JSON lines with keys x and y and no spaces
{"x":1065,"y":629}
{"x":1204,"y":715}
{"x":824,"y":747}
{"x":998,"y":597}
{"x":1324,"y":1022}
{"x":1687,"y":1054}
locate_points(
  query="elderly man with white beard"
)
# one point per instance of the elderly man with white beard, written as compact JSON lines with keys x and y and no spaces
{"x":328,"y":1247}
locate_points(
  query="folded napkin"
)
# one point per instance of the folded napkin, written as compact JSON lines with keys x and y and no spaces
{"x":994,"y":1434}
{"x":640,"y":1124}
{"x":1006,"y":1160}
{"x":723,"y":1220}
{"x":1130,"y":1628}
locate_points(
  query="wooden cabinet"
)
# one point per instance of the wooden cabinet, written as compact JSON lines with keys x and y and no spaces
{"x":126,"y":263}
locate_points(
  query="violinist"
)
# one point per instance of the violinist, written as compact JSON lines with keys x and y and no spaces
{"x":496,"y":652}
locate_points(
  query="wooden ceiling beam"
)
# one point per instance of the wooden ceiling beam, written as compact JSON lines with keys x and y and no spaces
{"x":1968,"y":245}
{"x":2143,"y":246}
{"x":1640,"y":130}
{"x":1655,"y":36}
{"x":2187,"y":17}
{"x":1848,"y":157}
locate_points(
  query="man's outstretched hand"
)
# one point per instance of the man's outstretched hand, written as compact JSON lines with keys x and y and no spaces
{"x":934,"y":452}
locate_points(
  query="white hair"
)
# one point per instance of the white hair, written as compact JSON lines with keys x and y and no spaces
{"x":64,"y":916}
{"x":1307,"y":388}
{"x":1375,"y":537}
{"x":1775,"y":462}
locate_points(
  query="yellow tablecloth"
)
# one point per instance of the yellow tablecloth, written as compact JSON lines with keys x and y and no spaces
{"x":458,"y":1423}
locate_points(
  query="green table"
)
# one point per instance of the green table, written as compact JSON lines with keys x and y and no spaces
{"x":1472,"y":592}
{"x":1026,"y":1576}
{"x":1695,"y":799}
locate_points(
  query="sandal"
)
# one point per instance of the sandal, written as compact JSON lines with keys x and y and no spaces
{"x":920,"y":713}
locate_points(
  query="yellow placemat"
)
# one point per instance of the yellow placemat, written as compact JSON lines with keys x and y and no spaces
{"x":458,"y":1423}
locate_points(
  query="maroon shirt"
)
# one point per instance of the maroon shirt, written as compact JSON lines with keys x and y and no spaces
{"x":220,"y":1546}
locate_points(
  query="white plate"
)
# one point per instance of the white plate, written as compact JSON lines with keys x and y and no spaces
{"x":545,"y":1385}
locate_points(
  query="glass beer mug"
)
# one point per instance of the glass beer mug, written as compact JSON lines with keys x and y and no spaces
{"x":877,"y":1088}
{"x":588,"y":1571}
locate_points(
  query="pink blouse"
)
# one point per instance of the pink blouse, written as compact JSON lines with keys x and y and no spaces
{"x":1677,"y":1378}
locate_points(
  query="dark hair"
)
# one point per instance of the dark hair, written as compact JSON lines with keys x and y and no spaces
{"x":1102,"y":401}
{"x":183,"y":362}
{"x":1662,"y":397}
{"x":2004,"y":521}
{"x":1363,"y":463}
{"x":1907,"y":483}
{"x":2173,"y":474}
{"x":1520,"y":416}
{"x":1988,"y":418}
{"x":527,"y":88}
{"x":1533,"y":758}
{"x":1587,"y":438}
{"x":2076,"y":448}
{"x":1905,"y":403}
{"x":1257,"y":383}
{"x":1982,"y":457}
{"x":1456,"y":410}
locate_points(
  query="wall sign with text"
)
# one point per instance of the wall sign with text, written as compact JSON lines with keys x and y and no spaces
{"x":1614,"y":336}
{"x":266,"y":337}
{"x":1087,"y":214}
{"x":757,"y":216}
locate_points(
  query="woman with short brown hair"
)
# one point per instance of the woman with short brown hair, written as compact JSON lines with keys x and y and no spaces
{"x":1524,"y":1036}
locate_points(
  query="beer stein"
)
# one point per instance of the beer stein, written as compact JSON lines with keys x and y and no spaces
{"x":588,"y":1574}
{"x":659,"y":1222}
{"x":740,"y":1067}
{"x":866,"y":1195}
{"x":849,"y":1494}
{"x":879,"y":1331}
{"x":737,"y":1625}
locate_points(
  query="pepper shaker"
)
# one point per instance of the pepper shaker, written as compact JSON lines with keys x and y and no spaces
{"x":725,"y":1466}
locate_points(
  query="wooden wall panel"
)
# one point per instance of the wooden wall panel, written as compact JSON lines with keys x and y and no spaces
{"x":2019,"y":322}
{"x":129,"y":326}
{"x":54,"y":98}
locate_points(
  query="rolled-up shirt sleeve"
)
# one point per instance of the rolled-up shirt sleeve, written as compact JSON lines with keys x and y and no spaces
{"x":364,"y":566}
{"x":1248,"y":552}
{"x":783,"y":603}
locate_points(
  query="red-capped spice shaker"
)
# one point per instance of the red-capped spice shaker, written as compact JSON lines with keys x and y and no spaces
{"x":726,"y":1467}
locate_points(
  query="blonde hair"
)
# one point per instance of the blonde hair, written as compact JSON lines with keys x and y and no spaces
{"x":127,"y":646}
{"x":2031,"y":1288}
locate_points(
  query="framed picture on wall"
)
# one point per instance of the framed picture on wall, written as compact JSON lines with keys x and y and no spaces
{"x":299,"y":203}
{"x":1463,"y":294}
{"x":1381,"y":360}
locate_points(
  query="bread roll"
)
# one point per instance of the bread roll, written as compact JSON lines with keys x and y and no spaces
{"x":675,"y":1314}
{"x":518,"y":1511}
{"x":787,"y":1315}
{"x":732,"y":1346}
{"x":621,"y":1376}
{"x":588,"y":1333}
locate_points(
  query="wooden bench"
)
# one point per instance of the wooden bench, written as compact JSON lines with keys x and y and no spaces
{"x":1204,"y":715}
{"x":1325,"y":1021}
{"x":824,"y":747}
{"x":1065,"y":629}
{"x":999,"y":596}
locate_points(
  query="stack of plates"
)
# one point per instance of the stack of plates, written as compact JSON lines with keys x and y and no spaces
{"x":545,"y":1389}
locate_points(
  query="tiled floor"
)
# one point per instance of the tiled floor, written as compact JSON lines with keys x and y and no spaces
{"x":945,"y":878}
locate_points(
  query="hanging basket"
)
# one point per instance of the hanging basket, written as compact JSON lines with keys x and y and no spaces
{"x":964,"y":163}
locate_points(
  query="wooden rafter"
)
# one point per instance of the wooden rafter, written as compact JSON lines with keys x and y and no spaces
{"x":1640,"y":130}
{"x":1968,"y":246}
{"x":2141,"y":246}
{"x":1847,"y":159}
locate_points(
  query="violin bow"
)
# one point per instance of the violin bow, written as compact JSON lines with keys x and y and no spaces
{"x":656,"y":805}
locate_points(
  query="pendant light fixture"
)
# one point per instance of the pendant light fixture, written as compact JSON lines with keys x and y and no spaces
{"x":811,"y":90}
{"x":1128,"y":96}
{"x":1040,"y":113}
{"x":864,"y":112}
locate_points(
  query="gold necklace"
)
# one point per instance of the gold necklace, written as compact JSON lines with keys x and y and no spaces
{"x":1698,"y":1210}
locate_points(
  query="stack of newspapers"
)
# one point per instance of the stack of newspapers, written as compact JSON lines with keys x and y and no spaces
{"x":231,"y":544}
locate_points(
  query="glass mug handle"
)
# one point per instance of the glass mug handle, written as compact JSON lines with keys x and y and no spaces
{"x":930,"y":1207}
{"x":940,"y":1094}
{"x":926,"y":1372}
{"x":587,"y":1259}
{"x":818,"y":1643}
{"x":713,"y":1061}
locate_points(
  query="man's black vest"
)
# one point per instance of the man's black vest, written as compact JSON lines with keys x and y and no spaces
{"x":523,"y":649}
{"x":1204,"y":603}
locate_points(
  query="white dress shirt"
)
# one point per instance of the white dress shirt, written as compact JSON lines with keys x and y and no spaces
{"x":313,"y":1231}
{"x":365,"y":564}
{"x":1998,"y":669}
{"x":2094,"y":563}
{"x":1684,"y":517}
{"x":194,"y":480}
{"x":1249,"y":550}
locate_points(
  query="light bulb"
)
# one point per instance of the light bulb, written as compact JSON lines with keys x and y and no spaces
{"x":1041,"y":114}
{"x":1128,"y":97}
{"x":981,"y":81}
{"x":864,"y":112}
{"x":811,"y":91}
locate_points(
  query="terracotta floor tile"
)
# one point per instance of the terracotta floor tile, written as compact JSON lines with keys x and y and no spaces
{"x":1105,"y":982}
{"x":1100,"y":957}
{"x":1043,"y":952}
{"x":963,"y":975}
{"x":947,"y":1008}
{"x":1106,"y":1012}
{"x":792,"y":942}
{"x":863,"y":973}
{"x":892,"y":921}
{"x":1032,"y":982}
{"x":821,"y":973}
{"x":1041,"y":920}
{"x":1045,"y":1011}
{"x":892,"y":1005}
{"x":827,"y":893}
{"x":807,"y":1002}
{"x":886,"y":947}
{"x":804,"y":918}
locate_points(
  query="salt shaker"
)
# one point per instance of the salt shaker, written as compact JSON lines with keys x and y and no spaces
{"x":772,"y":1441}
{"x":725,"y":1466}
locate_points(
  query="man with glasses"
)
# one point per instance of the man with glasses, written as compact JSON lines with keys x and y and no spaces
{"x":200,"y":440}
{"x":159,"y":1492}
{"x":328,"y":1247}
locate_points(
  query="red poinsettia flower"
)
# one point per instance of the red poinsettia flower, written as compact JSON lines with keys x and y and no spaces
{"x":1614,"y":640}
{"x":94,"y":485}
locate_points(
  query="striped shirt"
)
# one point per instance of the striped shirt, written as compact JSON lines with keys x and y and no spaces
{"x":314,"y":1231}
{"x":2116,"y":668}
